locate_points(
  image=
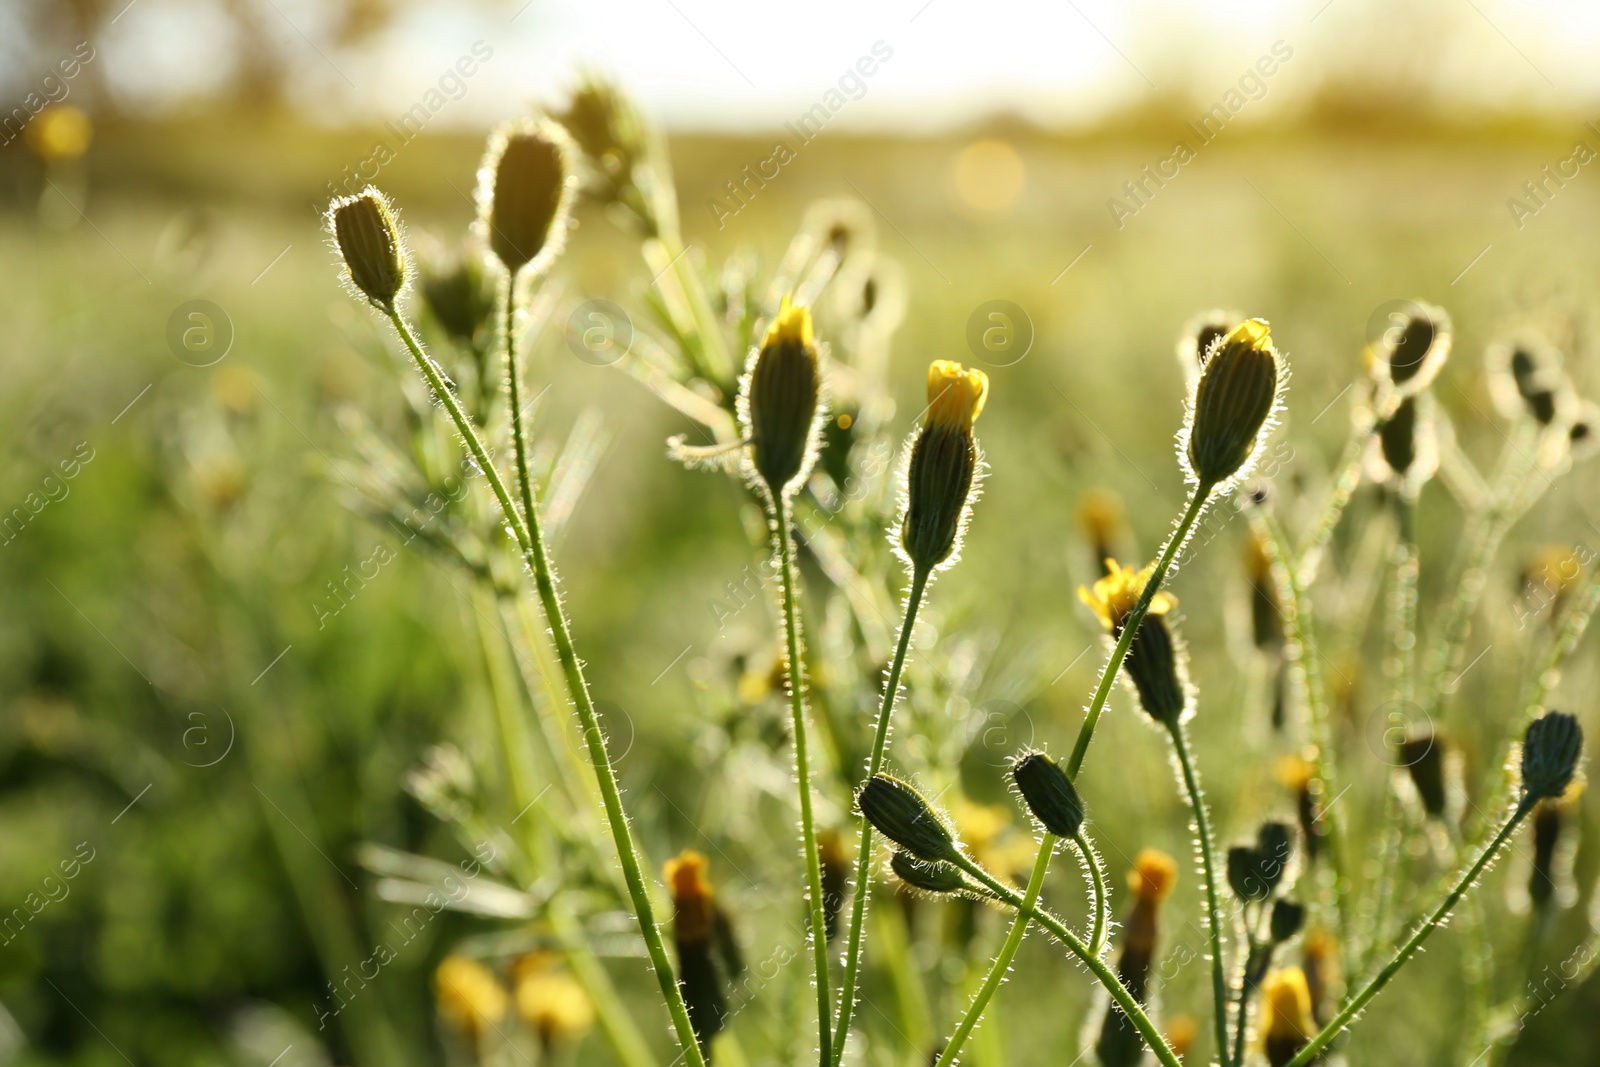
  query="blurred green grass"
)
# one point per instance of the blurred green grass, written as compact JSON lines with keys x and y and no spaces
{"x":149,"y":594}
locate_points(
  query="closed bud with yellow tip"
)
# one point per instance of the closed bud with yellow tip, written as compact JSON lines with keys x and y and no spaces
{"x":1234,"y":398}
{"x":781,"y":402}
{"x":942,"y":467}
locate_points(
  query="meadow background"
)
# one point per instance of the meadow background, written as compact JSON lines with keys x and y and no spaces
{"x":178,"y":698}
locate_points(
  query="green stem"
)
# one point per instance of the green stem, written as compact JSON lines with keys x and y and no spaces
{"x":1130,"y":627}
{"x":880,"y":742}
{"x":1104,"y":975}
{"x":1097,"y":887}
{"x":1309,"y":559}
{"x":519,"y":434}
{"x":1305,"y":652}
{"x":1413,"y":943}
{"x":1242,"y":1008}
{"x":531,"y":540}
{"x":1202,"y":822}
{"x":1002,"y":961}
{"x":802,"y":769}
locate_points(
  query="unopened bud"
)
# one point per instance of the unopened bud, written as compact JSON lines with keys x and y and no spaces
{"x":780,"y":401}
{"x":934,"y":877}
{"x":1233,"y":400}
{"x":1049,"y":793}
{"x":525,"y":190}
{"x":368,"y":237}
{"x":1550,"y":752}
{"x":943,"y":465}
{"x":1409,"y":358}
{"x":900,"y":814}
{"x":1287,"y":918}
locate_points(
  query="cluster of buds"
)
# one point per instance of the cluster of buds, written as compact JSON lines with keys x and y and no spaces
{"x":1403,"y":363}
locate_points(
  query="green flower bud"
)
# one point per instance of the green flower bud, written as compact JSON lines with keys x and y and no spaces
{"x":368,"y":237}
{"x":1410,"y":358}
{"x":525,"y":190}
{"x":1233,"y":400}
{"x":900,"y":814}
{"x":1422,"y":753}
{"x":1287,"y":918}
{"x":1049,"y":793}
{"x":935,"y":877}
{"x":780,"y":402}
{"x":1255,"y":871}
{"x":1550,"y":752}
{"x":943,"y":466}
{"x":1152,"y":664}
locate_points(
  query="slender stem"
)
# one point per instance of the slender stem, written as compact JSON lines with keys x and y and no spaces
{"x":880,"y":742}
{"x":1002,"y":961}
{"x":1097,"y":887}
{"x":446,"y":395}
{"x":802,"y":769}
{"x":531,"y":540}
{"x":1130,"y":627}
{"x":1344,"y":486}
{"x":519,"y":434}
{"x":1306,"y":653}
{"x":1104,"y":975}
{"x":1202,"y":822}
{"x":1413,"y":943}
{"x":1242,"y":1008}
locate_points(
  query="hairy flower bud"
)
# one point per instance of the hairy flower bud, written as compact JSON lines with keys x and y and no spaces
{"x":1422,"y":754}
{"x":1287,"y":918}
{"x":899,"y":813}
{"x":780,"y":401}
{"x":525,"y":189}
{"x":1550,"y":752}
{"x":1233,"y":402}
{"x":368,"y":237}
{"x":1408,"y":358}
{"x":1049,"y":793}
{"x":935,"y":877}
{"x":1154,"y":663}
{"x":943,"y":466}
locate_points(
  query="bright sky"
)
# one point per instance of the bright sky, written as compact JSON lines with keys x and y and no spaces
{"x":732,"y":64}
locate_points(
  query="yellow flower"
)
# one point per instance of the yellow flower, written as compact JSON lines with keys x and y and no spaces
{"x":1288,"y":1026}
{"x":60,"y":134}
{"x":791,"y":326}
{"x":1114,"y":596}
{"x":550,"y":1001}
{"x":1153,"y":876}
{"x":469,"y":995}
{"x":1295,"y":772}
{"x":955,"y":394}
{"x":693,"y":902}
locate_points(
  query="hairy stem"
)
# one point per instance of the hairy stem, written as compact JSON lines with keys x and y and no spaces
{"x":1130,"y":627}
{"x":880,"y":742}
{"x":802,"y":769}
{"x":1002,"y":961}
{"x":1103,"y":974}
{"x":1097,"y":887}
{"x":519,"y":433}
{"x":1404,"y":953}
{"x":1202,"y":823}
{"x":531,"y":540}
